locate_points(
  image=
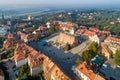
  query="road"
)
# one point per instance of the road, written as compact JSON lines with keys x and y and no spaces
{"x":63,"y":63}
{"x":65,"y":60}
{"x":80,"y":48}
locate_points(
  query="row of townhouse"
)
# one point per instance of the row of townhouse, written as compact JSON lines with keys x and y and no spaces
{"x":25,"y":37}
{"x":38,"y":62}
{"x":87,"y":71}
{"x":68,"y":27}
{"x":110,"y":45}
{"x":28,"y":37}
{"x":94,"y":34}
{"x":10,"y":41}
{"x":42,"y":31}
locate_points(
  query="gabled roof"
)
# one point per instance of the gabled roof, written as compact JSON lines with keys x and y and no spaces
{"x":85,"y":69}
{"x":94,"y":29}
{"x":113,"y":39}
{"x":90,"y":33}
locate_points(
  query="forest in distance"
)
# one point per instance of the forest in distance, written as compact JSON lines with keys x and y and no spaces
{"x":104,"y":19}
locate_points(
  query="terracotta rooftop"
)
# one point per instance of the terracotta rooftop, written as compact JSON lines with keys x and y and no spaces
{"x":39,"y":60}
{"x":10,"y":42}
{"x":105,"y":48}
{"x":112,"y":39}
{"x":94,"y":29}
{"x":89,"y":33}
{"x":23,"y":51}
{"x":81,"y":31}
{"x":42,"y":28}
{"x":70,"y":23}
{"x":101,"y":35}
{"x":24,"y":35}
{"x":89,"y":73}
{"x":9,"y":35}
{"x":19,"y":24}
{"x":106,"y":32}
{"x":84,"y":68}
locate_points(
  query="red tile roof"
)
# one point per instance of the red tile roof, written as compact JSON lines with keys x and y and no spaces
{"x":85,"y":69}
{"x":10,"y":42}
{"x":101,"y":35}
{"x":112,"y":39}
{"x":106,"y":32}
{"x":89,"y":33}
{"x":94,"y":29}
{"x":89,"y":73}
{"x":41,"y":29}
{"x":36,"y":62}
{"x":9,"y":35}
{"x":20,"y":24}
{"x":70,"y":24}
{"x":24,"y":35}
{"x":81,"y":31}
{"x":22,"y":51}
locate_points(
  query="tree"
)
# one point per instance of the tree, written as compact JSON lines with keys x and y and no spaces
{"x":87,"y":55}
{"x":37,"y":37}
{"x":11,"y":53}
{"x":117,"y":57}
{"x":56,"y":25}
{"x":24,"y":70}
{"x":35,"y":27}
{"x":57,"y":43}
{"x":78,"y":61}
{"x":94,"y":47}
{"x":52,"y":29}
{"x":91,"y":52}
{"x":67,"y":47}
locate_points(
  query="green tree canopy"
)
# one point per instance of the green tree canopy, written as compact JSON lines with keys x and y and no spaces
{"x":87,"y":55}
{"x":52,"y":29}
{"x":24,"y":70}
{"x":78,"y":61}
{"x":11,"y":53}
{"x":117,"y":57}
{"x":37,"y":37}
{"x":91,"y":52}
{"x":93,"y":47}
{"x":67,"y":47}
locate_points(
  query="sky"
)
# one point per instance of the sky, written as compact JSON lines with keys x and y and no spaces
{"x":62,"y":2}
{"x":59,"y":2}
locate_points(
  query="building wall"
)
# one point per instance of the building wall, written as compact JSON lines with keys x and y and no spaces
{"x":21,"y":62}
{"x":36,"y":70}
{"x":66,"y":38}
{"x":53,"y":72}
{"x":53,"y":77}
{"x":94,"y":38}
{"x":28,"y":40}
{"x":106,"y":51}
{"x":80,"y":75}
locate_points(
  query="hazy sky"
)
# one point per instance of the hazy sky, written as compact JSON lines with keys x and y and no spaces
{"x":60,"y":2}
